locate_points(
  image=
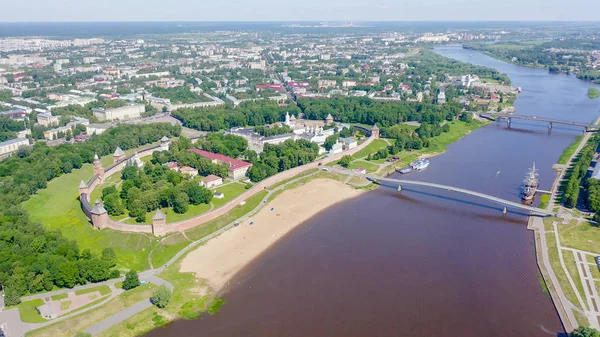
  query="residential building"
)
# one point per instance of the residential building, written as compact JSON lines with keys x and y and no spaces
{"x":56,"y":133}
{"x":237,"y":168}
{"x":122,"y":113}
{"x":211,"y":181}
{"x":189,"y":171}
{"x":46,"y":119}
{"x":97,"y":128}
{"x":348,"y":143}
{"x":12,"y":145}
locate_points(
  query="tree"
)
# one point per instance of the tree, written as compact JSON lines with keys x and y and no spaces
{"x":345,"y":161}
{"x":113,"y":205}
{"x":161,"y":296}
{"x":137,"y":210}
{"x":198,"y":194}
{"x":109,"y":256}
{"x":181,"y":203}
{"x":114,"y":274}
{"x":132,"y":280}
{"x":584,"y":331}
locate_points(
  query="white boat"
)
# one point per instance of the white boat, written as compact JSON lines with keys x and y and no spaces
{"x":420,"y":164}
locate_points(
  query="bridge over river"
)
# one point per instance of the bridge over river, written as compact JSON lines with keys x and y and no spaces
{"x":503,"y":202}
{"x":550,"y":121}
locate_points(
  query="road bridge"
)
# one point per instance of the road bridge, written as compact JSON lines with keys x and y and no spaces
{"x":550,"y":121}
{"x":503,"y":202}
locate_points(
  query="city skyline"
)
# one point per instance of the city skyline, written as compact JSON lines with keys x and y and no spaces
{"x":309,"y":10}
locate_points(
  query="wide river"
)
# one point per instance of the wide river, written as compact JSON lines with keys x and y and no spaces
{"x":423,"y":262}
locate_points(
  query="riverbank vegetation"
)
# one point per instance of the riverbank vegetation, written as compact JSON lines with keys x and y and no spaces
{"x":568,"y":152}
{"x":593,"y":93}
{"x":564,"y":55}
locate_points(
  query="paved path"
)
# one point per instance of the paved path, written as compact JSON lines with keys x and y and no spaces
{"x":119,"y":317}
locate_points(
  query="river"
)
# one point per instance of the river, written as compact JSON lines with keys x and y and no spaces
{"x":423,"y":262}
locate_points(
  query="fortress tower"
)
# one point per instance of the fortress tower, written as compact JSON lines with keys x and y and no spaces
{"x":375,"y":131}
{"x":98,"y":169}
{"x":99,"y":216}
{"x":159,"y":223}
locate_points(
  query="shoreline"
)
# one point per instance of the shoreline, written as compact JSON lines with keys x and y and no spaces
{"x":221,"y":258}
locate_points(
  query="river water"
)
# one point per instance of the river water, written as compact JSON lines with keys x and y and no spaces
{"x":424,"y":262}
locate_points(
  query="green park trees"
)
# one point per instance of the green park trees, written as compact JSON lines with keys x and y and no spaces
{"x":155,"y":186}
{"x":132,"y":280}
{"x":277,"y":158}
{"x":161,"y":296}
{"x":584,"y":331}
{"x":345,"y":161}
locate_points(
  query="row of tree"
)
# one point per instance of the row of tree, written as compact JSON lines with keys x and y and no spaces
{"x":364,"y":110}
{"x":573,"y":179}
{"x":220,"y":118}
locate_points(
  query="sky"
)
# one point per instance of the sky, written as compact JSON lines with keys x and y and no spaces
{"x":299,"y":10}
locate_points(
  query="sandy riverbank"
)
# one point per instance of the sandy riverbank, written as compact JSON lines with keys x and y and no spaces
{"x":221,"y":258}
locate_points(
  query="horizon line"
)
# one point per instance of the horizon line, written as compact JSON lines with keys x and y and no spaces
{"x":333,"y":20}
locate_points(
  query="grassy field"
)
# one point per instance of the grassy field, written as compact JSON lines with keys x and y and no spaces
{"x":59,"y":297}
{"x":104,"y":290}
{"x":28,"y":312}
{"x":193,"y":211}
{"x":568,"y":152}
{"x":370,"y":167}
{"x":230,"y":191}
{"x":582,"y":236}
{"x":71,"y":326}
{"x":569,"y":259}
{"x":544,"y":199}
{"x":375,"y":145}
{"x":559,"y":271}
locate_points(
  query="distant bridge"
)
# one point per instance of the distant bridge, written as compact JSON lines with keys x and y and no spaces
{"x":550,"y":121}
{"x":503,"y":202}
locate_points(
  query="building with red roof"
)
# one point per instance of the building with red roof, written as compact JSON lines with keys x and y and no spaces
{"x":237,"y":168}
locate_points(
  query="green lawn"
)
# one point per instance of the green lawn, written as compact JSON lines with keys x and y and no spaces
{"x":57,"y":208}
{"x":373,"y":147}
{"x":193,"y":211}
{"x":582,"y":236}
{"x":59,"y":297}
{"x":370,"y":167}
{"x":28,"y":311}
{"x":559,"y":271}
{"x":569,"y":259}
{"x":113,"y":180}
{"x":104,"y":290}
{"x":230,"y":191}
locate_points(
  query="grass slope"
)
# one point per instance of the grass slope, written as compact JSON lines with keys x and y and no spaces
{"x":57,"y":208}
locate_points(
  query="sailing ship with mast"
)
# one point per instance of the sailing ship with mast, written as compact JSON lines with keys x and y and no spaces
{"x":530,"y":184}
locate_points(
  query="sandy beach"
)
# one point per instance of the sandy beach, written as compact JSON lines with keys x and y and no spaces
{"x":222,"y":257}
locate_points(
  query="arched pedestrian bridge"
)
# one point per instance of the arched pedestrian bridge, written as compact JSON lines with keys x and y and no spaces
{"x":503,"y":202}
